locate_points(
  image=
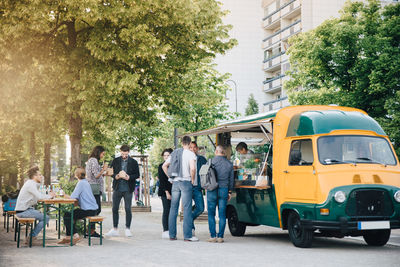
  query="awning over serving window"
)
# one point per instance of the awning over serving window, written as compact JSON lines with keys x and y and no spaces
{"x":245,"y":124}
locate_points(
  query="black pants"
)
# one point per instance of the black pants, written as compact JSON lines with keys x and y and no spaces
{"x":98,"y":201}
{"x":117,"y":196}
{"x":166,"y":203}
{"x":78,"y":214}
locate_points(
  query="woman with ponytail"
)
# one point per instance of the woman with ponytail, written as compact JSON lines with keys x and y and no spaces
{"x":87,"y":205}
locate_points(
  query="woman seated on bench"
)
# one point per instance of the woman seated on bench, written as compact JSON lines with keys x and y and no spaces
{"x":87,"y":203}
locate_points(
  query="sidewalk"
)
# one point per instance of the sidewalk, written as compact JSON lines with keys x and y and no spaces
{"x":261,"y":246}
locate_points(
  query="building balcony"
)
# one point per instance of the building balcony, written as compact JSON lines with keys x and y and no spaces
{"x":273,"y":63}
{"x":272,"y":21}
{"x":290,"y":30}
{"x":273,"y":85}
{"x":291,"y":9}
{"x":276,"y":104}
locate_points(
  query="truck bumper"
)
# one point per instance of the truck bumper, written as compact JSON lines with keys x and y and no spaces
{"x":344,"y":225}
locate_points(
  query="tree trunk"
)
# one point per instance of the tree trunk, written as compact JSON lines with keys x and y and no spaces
{"x":47,"y":164}
{"x":32,"y":149}
{"x":13,"y":179}
{"x":75,"y":129}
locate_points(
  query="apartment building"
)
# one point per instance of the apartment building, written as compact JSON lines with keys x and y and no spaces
{"x":283,"y":19}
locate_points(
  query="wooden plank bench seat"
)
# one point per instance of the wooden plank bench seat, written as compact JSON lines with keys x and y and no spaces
{"x":94,"y":220}
{"x":10,"y":213}
{"x":24,"y":221}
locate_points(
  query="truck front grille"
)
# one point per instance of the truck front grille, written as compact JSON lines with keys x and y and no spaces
{"x":369,"y":203}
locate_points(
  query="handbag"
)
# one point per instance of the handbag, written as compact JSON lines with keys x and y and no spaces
{"x":95,"y":189}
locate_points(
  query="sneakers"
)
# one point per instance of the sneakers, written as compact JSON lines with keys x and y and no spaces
{"x":220,"y":240}
{"x":128,"y":232}
{"x":95,"y":234}
{"x":173,"y":238}
{"x":112,"y":232}
{"x":212,"y":240}
{"x":165,"y":235}
{"x":192,"y":239}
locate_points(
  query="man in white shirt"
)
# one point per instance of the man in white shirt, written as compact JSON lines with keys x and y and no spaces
{"x":29,"y":196}
{"x":182,"y":185}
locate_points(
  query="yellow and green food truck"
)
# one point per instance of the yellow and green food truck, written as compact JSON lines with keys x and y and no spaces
{"x":323,"y":171}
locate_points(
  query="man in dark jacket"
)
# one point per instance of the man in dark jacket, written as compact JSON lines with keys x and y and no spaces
{"x":197,"y":191}
{"x":221,"y":195}
{"x":126,"y":171}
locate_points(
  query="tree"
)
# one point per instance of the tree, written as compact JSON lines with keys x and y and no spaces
{"x":351,"y":61}
{"x":252,"y":106}
{"x":204,"y":90}
{"x":118,"y":58}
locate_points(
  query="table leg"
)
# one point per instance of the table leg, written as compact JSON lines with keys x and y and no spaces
{"x":59,"y":220}
{"x":44,"y":223}
{"x":72,"y":223}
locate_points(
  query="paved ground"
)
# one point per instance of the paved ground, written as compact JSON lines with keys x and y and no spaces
{"x":261,"y":246}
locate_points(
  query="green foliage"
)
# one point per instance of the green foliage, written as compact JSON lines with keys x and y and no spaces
{"x":352,"y":61}
{"x":252,"y":106}
{"x":67,"y":185}
{"x":104,"y":72}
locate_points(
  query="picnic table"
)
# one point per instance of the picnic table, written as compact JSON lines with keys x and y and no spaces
{"x":56,"y":204}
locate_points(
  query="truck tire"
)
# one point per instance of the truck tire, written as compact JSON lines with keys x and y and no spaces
{"x":377,"y":238}
{"x":236,"y":227}
{"x":299,"y":236}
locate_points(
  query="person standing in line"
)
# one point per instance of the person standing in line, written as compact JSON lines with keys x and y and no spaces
{"x":87,"y":206}
{"x":197,"y":190}
{"x":126,"y":171}
{"x":94,"y":176}
{"x":28,"y":197}
{"x":181,"y":168}
{"x":164,"y":192}
{"x":221,"y":195}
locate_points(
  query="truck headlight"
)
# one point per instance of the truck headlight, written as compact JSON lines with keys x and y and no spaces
{"x":340,"y":196}
{"x":397,"y":196}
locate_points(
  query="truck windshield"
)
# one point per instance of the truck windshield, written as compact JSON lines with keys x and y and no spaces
{"x":354,"y":149}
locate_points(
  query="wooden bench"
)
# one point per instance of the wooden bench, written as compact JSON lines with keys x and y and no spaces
{"x":24,"y":221}
{"x":95,"y":220}
{"x":10,"y":213}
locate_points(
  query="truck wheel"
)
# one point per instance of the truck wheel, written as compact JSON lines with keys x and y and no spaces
{"x":236,"y":227}
{"x":377,"y":238}
{"x":299,"y":236}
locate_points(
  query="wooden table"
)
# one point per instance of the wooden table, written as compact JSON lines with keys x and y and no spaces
{"x":52,"y":203}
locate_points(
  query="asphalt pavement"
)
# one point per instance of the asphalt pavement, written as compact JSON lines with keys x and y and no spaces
{"x":261,"y":246}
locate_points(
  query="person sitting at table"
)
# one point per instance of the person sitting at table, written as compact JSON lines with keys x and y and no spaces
{"x":28,"y":197}
{"x":242,"y":149}
{"x":87,"y":203}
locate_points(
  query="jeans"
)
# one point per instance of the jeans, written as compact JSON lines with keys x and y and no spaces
{"x":32,"y":213}
{"x":184,"y":188}
{"x":78,"y":214}
{"x":217,"y":196}
{"x":166,"y":203}
{"x":117,"y":196}
{"x":198,"y":202}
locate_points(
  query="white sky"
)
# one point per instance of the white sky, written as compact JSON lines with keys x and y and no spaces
{"x":244,"y":61}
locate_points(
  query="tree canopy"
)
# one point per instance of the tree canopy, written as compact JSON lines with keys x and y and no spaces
{"x":353,"y":60}
{"x":97,"y":69}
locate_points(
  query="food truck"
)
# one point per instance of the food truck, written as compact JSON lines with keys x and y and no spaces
{"x":318,"y":171}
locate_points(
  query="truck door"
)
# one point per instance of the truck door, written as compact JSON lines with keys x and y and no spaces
{"x":300,"y":179}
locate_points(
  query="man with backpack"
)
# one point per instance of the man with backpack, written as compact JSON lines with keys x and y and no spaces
{"x":221,"y":195}
{"x":180,"y":168}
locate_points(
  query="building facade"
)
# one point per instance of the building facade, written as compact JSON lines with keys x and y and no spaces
{"x":283,"y":19}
